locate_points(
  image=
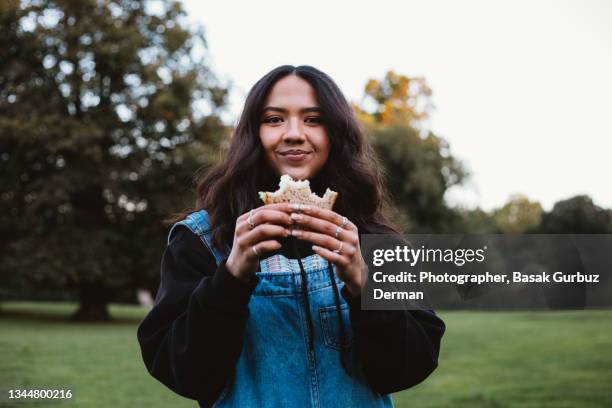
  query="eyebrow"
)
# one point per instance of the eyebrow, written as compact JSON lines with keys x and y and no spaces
{"x":283,"y":110}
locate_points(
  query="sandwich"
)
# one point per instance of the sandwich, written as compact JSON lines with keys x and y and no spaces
{"x":298,"y":192}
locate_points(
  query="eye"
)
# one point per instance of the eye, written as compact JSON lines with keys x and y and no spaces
{"x":315,"y":120}
{"x":273,"y":119}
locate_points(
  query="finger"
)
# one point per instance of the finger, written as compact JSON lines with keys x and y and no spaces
{"x":331,"y":256}
{"x":328,"y":215}
{"x":284,"y":207}
{"x":261,"y":233}
{"x":272,"y":216}
{"x":264,"y":217}
{"x":325,"y":227}
{"x":263,"y":248}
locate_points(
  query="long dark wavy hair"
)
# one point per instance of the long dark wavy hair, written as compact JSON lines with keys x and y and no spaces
{"x":352,"y":169}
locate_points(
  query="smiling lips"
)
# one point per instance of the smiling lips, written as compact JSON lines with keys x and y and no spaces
{"x":295,"y":155}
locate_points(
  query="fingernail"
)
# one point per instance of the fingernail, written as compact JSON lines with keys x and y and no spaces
{"x":296,"y":232}
{"x":314,"y":247}
{"x":296,"y":217}
{"x":300,"y":207}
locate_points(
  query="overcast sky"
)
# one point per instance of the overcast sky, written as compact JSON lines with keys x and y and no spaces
{"x":522,"y":89}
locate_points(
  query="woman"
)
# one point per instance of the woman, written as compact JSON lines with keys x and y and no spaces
{"x":253,"y":312}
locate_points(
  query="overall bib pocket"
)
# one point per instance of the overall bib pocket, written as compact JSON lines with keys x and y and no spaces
{"x":331,"y":330}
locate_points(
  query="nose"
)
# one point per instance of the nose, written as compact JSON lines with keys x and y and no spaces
{"x":295,"y":132}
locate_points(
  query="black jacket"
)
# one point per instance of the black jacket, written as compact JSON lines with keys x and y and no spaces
{"x":192,"y":338}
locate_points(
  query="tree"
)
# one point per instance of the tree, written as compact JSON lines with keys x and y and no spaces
{"x":99,"y":135}
{"x":397,"y":99}
{"x":576,"y":215}
{"x":518,"y":215}
{"x":473,"y":221}
{"x":419,"y":172}
{"x":418,"y":164}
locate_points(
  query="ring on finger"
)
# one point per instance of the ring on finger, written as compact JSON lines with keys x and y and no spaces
{"x":254,"y":250}
{"x":339,"y":250}
{"x":337,"y":234}
{"x":344,"y":222}
{"x":250,"y":220}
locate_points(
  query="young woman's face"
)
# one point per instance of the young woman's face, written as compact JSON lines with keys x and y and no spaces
{"x":291,"y":132}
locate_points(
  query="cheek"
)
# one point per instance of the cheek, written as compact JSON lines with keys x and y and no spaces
{"x":267,"y":143}
{"x":324,"y":146}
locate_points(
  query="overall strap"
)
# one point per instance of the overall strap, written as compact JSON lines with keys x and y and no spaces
{"x":199,"y":223}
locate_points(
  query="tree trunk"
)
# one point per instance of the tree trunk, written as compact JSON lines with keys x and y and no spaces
{"x":93,"y":305}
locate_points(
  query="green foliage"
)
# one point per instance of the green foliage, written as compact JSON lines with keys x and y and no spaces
{"x":419,"y":172}
{"x":419,"y":166}
{"x":99,"y":137}
{"x":473,"y":221}
{"x":518,"y":215}
{"x":577,"y":215}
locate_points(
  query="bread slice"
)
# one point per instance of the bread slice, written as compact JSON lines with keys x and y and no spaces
{"x":298,"y":192}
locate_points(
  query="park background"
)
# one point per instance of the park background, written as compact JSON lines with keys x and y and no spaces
{"x":109,"y":108}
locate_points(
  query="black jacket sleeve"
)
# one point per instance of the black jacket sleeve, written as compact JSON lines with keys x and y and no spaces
{"x":192,"y":338}
{"x":397,"y":348}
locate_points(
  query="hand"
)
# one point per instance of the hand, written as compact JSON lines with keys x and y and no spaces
{"x":342,"y":248}
{"x":254,"y":237}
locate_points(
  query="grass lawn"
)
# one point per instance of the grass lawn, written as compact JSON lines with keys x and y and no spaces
{"x":489,"y":359}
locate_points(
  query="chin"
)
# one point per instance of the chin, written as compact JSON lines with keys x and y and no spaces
{"x":298,"y":174}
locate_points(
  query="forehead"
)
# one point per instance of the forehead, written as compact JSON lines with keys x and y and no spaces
{"x":292,"y":91}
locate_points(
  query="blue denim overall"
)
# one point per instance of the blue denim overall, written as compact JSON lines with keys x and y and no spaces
{"x":279,"y":366}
